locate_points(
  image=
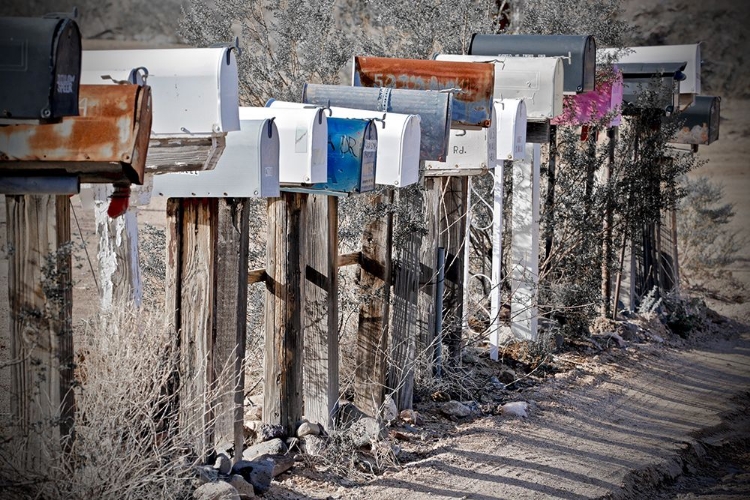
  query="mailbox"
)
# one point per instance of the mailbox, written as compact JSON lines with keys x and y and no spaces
{"x":691,"y":54}
{"x":471,"y":84}
{"x":303,"y":142}
{"x":195,"y":99}
{"x":433,"y":108}
{"x":106,"y":143}
{"x":578,"y":51}
{"x":661,"y":79}
{"x":511,"y":129}
{"x":537,"y":80}
{"x":471,"y":152}
{"x":593,"y":106}
{"x":700,"y":121}
{"x":397,"y":161}
{"x":40,"y":69}
{"x":248,"y":168}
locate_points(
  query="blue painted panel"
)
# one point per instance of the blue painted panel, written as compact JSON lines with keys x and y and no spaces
{"x":352,"y":146}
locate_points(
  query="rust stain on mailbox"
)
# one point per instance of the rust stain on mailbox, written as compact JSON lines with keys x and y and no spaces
{"x":107,"y":142}
{"x":472,"y":101}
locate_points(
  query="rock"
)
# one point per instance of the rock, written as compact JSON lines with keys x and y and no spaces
{"x":272,"y":447}
{"x":267,"y":432}
{"x":223,"y":464}
{"x":281,"y":463}
{"x":206,"y":474}
{"x":216,"y":491}
{"x":259,"y":473}
{"x":308,"y":429}
{"x":366,"y":431}
{"x":516,"y":409}
{"x":244,"y":488}
{"x":412,"y":417}
{"x":313,"y":445}
{"x":390,"y":410}
{"x":455,"y":409}
{"x":507,"y":376}
{"x":347,"y":414}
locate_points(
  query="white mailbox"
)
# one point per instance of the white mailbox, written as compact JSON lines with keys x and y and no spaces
{"x":537,"y":80}
{"x":195,"y":99}
{"x":303,"y":142}
{"x":397,"y":162}
{"x":510,"y":115}
{"x":691,"y":54}
{"x":469,"y":152}
{"x":248,"y":168}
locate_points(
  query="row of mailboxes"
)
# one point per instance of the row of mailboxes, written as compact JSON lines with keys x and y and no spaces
{"x":40,"y":67}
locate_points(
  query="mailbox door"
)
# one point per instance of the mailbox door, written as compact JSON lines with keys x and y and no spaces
{"x":472,"y":100}
{"x":352,"y":146}
{"x":470,"y":153}
{"x":538,"y":80}
{"x":195,"y":90}
{"x":511,"y":129}
{"x":398,"y":141}
{"x":700,"y":121}
{"x":40,"y":68}
{"x":433,"y":108}
{"x":248,"y":168}
{"x":579,"y":52}
{"x":303,"y":142}
{"x":660,"y":78}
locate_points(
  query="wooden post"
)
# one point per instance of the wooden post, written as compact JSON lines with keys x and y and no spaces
{"x":372,"y":335}
{"x":282,"y":400}
{"x":320,"y":309}
{"x":207,"y":250}
{"x":40,"y":295}
{"x":606,"y":287}
{"x":525,"y":245}
{"x":428,"y":269}
{"x":452,"y":238}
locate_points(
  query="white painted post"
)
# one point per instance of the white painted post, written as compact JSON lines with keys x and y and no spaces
{"x":497,"y":249}
{"x":525,"y":245}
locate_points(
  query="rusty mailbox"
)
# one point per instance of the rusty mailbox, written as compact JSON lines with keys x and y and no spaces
{"x":700,"y":121}
{"x":106,"y":143}
{"x":654,"y":86}
{"x":195,"y":94}
{"x":471,"y":84}
{"x":433,"y":108}
{"x":397,"y":162}
{"x":578,"y":51}
{"x":537,"y":80}
{"x":40,"y":69}
{"x":248,"y":168}
{"x":689,"y":53}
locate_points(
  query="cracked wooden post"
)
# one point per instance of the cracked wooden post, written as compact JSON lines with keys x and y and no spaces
{"x":40,"y":294}
{"x":372,"y":335}
{"x":285,"y":289}
{"x":320,"y":310}
{"x":428,"y":269}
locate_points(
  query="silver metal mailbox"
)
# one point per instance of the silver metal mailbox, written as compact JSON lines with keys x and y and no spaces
{"x":40,"y":69}
{"x":663,"y":79}
{"x":195,"y":99}
{"x":579,"y":52}
{"x":700,"y":121}
{"x":537,"y":80}
{"x":433,"y":108}
{"x":690,"y":54}
{"x":303,"y":142}
{"x":511,"y":129}
{"x":398,"y":142}
{"x":248,"y":168}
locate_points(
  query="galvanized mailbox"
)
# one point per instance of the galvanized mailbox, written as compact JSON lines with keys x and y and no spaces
{"x":195,"y":99}
{"x":303,"y":142}
{"x":700,"y":121}
{"x":578,"y":51}
{"x":397,"y":162}
{"x":248,"y":168}
{"x":40,"y":69}
{"x":471,"y":84}
{"x":106,"y":143}
{"x":511,"y":129}
{"x":660,"y":79}
{"x":537,"y":80}
{"x":433,"y":108}
{"x":690,"y":54}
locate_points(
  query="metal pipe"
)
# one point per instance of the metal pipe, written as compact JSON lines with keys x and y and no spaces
{"x":58,"y":185}
{"x":440,"y":288}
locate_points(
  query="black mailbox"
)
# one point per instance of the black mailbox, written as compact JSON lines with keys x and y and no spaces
{"x":661,"y":81}
{"x":700,"y":121}
{"x":40,"y":69}
{"x":578,"y":53}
